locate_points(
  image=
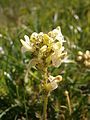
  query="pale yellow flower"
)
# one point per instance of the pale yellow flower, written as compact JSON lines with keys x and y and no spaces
{"x":34,"y":37}
{"x":53,"y":82}
{"x":48,"y":47}
{"x":26,"y":44}
{"x":57,"y":35}
{"x":57,"y":54}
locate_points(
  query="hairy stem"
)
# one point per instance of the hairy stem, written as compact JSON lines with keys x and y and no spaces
{"x":45,"y":107}
{"x":45,"y":96}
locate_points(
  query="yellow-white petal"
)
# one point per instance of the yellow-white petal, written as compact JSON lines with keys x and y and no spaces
{"x":51,"y":78}
{"x":56,"y":60}
{"x":43,"y":48}
{"x":58,"y":78}
{"x":26,"y":45}
{"x":27,"y":39}
{"x":54,"y":85}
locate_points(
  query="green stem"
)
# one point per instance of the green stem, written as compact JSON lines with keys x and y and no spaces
{"x":45,"y":107}
{"x":45,"y":96}
{"x":46,"y":75}
{"x":17,"y":92}
{"x":25,"y":105}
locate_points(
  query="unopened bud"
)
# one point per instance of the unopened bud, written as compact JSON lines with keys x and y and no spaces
{"x":79,"y":58}
{"x":87,"y":63}
{"x":85,"y":56}
{"x":80,"y":53}
{"x":66,"y":92}
{"x":87,"y":52}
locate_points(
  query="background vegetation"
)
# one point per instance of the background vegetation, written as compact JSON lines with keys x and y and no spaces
{"x":22,"y":101}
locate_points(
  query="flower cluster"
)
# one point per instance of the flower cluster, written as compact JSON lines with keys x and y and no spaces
{"x":47,"y":49}
{"x":84,"y":58}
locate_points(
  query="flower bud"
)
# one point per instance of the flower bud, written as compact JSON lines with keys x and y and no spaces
{"x":66,"y":92}
{"x":80,"y":53}
{"x":87,"y":52}
{"x":87,"y":63}
{"x":85,"y":56}
{"x":79,"y":58}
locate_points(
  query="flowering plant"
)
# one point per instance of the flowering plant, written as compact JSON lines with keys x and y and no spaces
{"x":47,"y":50}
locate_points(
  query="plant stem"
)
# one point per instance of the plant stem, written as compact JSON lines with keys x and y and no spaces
{"x":17,"y":92}
{"x":45,"y":99}
{"x":45,"y":107}
{"x":68,"y":101}
{"x":25,"y":105}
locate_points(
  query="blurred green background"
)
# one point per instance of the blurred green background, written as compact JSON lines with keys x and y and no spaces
{"x":22,"y":101}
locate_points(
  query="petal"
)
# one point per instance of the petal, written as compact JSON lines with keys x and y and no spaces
{"x":58,"y":78}
{"x":27,"y":39}
{"x":26,"y":45}
{"x":56,"y":46}
{"x":56,"y":60}
{"x":60,"y":37}
{"x":51,"y":86}
{"x":51,"y":78}
{"x":34,"y":37}
{"x":54,"y":85}
{"x":43,"y":48}
{"x":23,"y":49}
